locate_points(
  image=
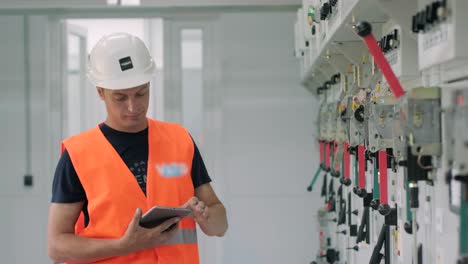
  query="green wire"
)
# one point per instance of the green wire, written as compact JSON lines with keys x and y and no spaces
{"x":317,"y":173}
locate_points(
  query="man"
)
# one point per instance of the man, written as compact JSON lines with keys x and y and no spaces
{"x":108,"y":176}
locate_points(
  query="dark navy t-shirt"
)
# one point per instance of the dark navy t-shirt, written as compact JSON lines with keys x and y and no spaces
{"x":133,"y":149}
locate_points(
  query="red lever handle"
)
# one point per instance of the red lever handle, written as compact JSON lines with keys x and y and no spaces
{"x":383,"y":177}
{"x":346,"y":161}
{"x":321,"y":151}
{"x":361,"y":167}
{"x":336,"y":160}
{"x":327,"y":155}
{"x":364,"y":30}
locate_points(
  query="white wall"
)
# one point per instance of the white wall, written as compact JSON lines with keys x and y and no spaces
{"x":23,"y":221}
{"x":257,"y":139}
{"x":267,"y":149}
{"x":12,"y":103}
{"x":97,"y":28}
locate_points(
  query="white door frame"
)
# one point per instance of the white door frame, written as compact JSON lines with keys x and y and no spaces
{"x":81,"y":33}
{"x":172,"y":61}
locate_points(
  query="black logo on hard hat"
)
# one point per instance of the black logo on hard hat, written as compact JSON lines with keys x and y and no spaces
{"x":126,"y":63}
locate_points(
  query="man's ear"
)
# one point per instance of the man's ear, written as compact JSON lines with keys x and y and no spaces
{"x":100,"y":92}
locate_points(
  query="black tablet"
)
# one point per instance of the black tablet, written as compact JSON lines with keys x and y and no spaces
{"x":158,"y":214}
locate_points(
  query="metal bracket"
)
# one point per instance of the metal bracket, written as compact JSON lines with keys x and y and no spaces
{"x":331,"y":121}
{"x":323,"y":121}
{"x":398,"y":131}
{"x":356,"y":130}
{"x":424,"y":121}
{"x":380,"y":123}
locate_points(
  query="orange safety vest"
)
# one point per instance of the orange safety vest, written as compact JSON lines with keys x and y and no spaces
{"x":113,"y":193}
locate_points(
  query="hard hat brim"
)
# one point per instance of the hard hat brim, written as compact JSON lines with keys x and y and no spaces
{"x":126,"y":83}
{"x":123,"y":83}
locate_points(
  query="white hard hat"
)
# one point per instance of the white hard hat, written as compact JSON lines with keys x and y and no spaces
{"x":120,"y":61}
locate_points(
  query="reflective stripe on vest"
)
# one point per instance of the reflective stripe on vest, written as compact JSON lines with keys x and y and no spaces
{"x":113,"y":193}
{"x":183,"y":236}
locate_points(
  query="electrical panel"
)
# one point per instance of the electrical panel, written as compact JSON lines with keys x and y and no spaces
{"x":393,"y":122}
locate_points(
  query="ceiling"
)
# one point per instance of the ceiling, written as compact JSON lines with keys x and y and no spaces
{"x":166,"y":3}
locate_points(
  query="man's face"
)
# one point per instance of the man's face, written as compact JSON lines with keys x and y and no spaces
{"x":126,"y":109}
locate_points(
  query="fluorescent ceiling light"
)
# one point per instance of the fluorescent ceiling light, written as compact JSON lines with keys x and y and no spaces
{"x":123,"y":2}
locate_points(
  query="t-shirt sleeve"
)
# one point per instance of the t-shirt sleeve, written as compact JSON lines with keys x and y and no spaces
{"x":199,"y":173}
{"x":66,"y":187}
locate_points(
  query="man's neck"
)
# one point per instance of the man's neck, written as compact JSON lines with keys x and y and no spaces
{"x":132,"y":129}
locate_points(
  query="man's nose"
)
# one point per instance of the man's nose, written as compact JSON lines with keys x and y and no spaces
{"x":131,"y":105}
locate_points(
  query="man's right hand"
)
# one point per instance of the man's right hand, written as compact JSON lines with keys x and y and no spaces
{"x":138,"y":238}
